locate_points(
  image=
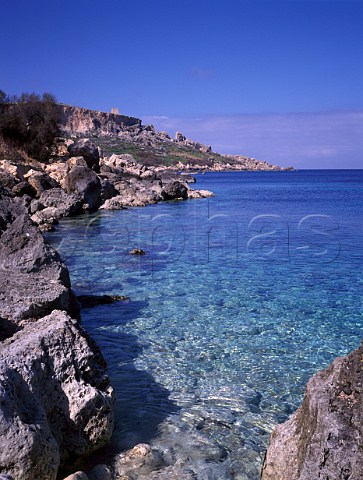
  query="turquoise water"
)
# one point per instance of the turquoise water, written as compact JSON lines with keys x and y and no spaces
{"x":238,"y":301}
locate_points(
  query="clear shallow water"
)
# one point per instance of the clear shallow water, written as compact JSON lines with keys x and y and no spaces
{"x":239,"y":300}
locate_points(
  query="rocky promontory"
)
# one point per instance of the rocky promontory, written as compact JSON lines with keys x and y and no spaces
{"x":78,"y":177}
{"x":120,"y":134}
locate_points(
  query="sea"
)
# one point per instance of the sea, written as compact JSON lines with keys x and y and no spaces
{"x":237,"y":302}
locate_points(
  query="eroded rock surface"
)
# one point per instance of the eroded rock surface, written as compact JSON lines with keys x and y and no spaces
{"x":33,"y":279}
{"x":83,"y":182}
{"x":86,"y":149}
{"x":324,"y":438}
{"x":55,"y":396}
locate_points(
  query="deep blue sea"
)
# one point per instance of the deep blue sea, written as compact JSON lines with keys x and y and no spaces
{"x":238,"y":301}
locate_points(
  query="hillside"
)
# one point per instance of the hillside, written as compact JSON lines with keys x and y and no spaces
{"x":121,"y":134}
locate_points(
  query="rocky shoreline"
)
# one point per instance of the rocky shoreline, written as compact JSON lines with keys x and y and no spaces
{"x":56,"y":399}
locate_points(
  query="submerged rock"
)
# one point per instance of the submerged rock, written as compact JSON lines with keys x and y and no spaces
{"x":137,"y":251}
{"x":324,"y":437}
{"x":141,"y":460}
{"x":88,"y":301}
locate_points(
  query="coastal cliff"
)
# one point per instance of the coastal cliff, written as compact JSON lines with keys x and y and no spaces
{"x":121,"y":134}
{"x":78,"y":120}
{"x":324,"y":437}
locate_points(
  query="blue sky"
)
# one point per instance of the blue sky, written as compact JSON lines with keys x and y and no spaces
{"x":276,"y":80}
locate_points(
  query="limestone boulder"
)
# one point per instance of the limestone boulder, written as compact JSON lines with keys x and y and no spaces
{"x":58,"y":171}
{"x":199,"y":193}
{"x":323,"y":439}
{"x":84,"y":182}
{"x":174,"y":190}
{"x":66,"y":204}
{"x":40,"y":181}
{"x":33,"y":279}
{"x":86,"y":149}
{"x":55,"y":398}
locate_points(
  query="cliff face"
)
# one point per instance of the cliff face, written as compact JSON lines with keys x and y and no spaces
{"x":84,"y":121}
{"x":324,"y":438}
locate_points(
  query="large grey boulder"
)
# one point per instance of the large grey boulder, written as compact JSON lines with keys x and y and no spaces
{"x":84,"y":182}
{"x":324,"y":438}
{"x":86,"y":149}
{"x":55,"y":398}
{"x":40,"y":181}
{"x":174,"y":190}
{"x":66,"y":204}
{"x":33,"y":279}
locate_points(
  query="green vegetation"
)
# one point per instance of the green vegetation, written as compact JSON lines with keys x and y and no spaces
{"x":29,"y":122}
{"x":167,"y":154}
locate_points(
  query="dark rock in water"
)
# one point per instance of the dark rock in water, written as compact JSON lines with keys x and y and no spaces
{"x":55,"y":398}
{"x":174,"y":190}
{"x":323,"y":438}
{"x":85,"y":148}
{"x":87,"y":301}
{"x":84,"y":182}
{"x":137,"y":251}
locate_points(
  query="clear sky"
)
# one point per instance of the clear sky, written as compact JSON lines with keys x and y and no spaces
{"x":276,"y":80}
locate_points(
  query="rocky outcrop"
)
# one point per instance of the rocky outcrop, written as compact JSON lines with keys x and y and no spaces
{"x":199,"y":193}
{"x":175,"y":190}
{"x":67,"y":205}
{"x":55,"y":399}
{"x":324,"y":438}
{"x":33,"y":280}
{"x":84,"y":121}
{"x":84,"y":182}
{"x":55,"y":396}
{"x":86,"y":149}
